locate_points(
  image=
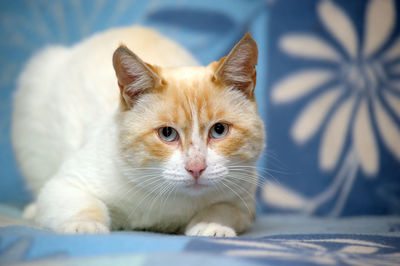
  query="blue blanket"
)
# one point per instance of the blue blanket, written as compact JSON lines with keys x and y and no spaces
{"x":274,"y":239}
{"x":38,"y":247}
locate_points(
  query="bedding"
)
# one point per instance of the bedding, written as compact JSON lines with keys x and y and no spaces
{"x":273,"y":240}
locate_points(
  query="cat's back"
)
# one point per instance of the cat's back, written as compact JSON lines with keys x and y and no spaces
{"x":64,"y":93}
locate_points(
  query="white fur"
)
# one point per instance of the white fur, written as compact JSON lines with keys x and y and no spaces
{"x":65,"y":140}
{"x":63,"y":92}
{"x":211,"y":229}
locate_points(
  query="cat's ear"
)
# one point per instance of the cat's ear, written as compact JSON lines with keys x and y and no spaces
{"x":135,"y":77}
{"x":237,"y":69}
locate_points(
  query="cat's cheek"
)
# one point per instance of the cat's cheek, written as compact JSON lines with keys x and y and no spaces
{"x":216,"y":168}
{"x":174,"y":171}
{"x":245,"y":144}
{"x":230,"y":146}
{"x":158,"y":151}
{"x":152,"y":149}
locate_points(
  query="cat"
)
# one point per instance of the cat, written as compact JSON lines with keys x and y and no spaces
{"x":158,"y":143}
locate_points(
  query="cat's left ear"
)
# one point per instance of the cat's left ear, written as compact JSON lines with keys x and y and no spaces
{"x":237,"y":69}
{"x":135,"y":77}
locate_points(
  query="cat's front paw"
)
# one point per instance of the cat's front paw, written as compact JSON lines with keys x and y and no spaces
{"x":210,"y":229}
{"x":83,"y":227}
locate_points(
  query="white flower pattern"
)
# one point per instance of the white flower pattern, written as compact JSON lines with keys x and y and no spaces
{"x":320,"y":250}
{"x":361,"y":89}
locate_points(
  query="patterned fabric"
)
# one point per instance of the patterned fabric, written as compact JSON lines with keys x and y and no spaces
{"x":273,"y":240}
{"x":35,"y":247}
{"x":334,"y":107}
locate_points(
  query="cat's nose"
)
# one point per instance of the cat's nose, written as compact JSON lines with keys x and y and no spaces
{"x":196,"y":169}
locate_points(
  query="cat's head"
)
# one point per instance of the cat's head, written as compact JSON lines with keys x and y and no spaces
{"x":191,"y":127}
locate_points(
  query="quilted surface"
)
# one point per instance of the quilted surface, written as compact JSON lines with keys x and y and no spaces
{"x":275,"y":240}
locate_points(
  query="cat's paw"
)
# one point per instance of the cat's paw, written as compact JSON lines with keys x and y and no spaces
{"x":210,"y":229}
{"x":83,"y":227}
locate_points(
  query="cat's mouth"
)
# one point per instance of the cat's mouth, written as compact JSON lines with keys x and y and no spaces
{"x":190,"y":184}
{"x":197,"y":186}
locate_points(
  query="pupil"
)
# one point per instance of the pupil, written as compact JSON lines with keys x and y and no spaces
{"x":219,"y":128}
{"x":167,"y":131}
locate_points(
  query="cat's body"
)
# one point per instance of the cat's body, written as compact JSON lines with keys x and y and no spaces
{"x":97,"y":160}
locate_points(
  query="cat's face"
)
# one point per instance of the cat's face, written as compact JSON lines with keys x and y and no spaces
{"x":189,"y":127}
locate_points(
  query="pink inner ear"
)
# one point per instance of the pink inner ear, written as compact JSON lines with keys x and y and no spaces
{"x":128,"y":67}
{"x":134,"y":76}
{"x":238,"y":68}
{"x":125,"y":77}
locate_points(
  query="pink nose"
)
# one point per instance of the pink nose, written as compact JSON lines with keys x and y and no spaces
{"x":196,"y":169}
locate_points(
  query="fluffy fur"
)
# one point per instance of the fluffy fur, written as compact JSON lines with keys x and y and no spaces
{"x":87,"y":136}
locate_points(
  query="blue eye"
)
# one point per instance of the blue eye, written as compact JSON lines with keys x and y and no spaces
{"x":219,"y":130}
{"x":168,"y":134}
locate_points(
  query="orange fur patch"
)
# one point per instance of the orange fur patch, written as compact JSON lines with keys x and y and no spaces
{"x":94,"y":213}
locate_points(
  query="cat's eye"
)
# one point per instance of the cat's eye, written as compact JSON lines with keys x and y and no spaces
{"x":168,"y":134}
{"x":219,"y":130}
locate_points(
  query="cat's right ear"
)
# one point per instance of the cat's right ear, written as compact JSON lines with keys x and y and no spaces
{"x":135,"y":77}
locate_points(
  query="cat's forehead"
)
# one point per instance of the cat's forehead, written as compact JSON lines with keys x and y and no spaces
{"x":187,"y":80}
{"x":191,"y":94}
{"x":186,"y":74}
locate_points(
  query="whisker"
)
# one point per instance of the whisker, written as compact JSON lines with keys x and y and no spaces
{"x":238,"y":195}
{"x":258,"y":168}
{"x":251,"y":195}
{"x":250,"y":173}
{"x":274,"y":159}
{"x":147,"y":181}
{"x":155,"y":198}
{"x":171,"y":188}
{"x":139,"y":178}
{"x":139,"y":172}
{"x":257,"y":183}
{"x":219,"y":188}
{"x":147,"y":168}
{"x":241,"y":188}
{"x":258,"y":180}
{"x":141,"y":186}
{"x":148,"y":193}
{"x":133,"y":186}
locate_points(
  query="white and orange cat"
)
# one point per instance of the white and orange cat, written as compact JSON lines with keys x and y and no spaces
{"x":157,"y":143}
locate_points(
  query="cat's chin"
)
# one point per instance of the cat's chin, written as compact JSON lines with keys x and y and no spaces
{"x":196,"y":189}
